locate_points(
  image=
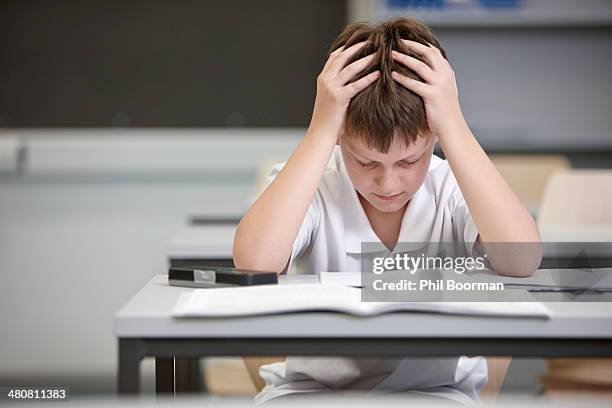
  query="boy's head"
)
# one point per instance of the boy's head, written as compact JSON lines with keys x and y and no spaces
{"x":385,"y":110}
{"x":386,"y":143}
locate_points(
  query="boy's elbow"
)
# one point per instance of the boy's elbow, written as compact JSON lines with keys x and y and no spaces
{"x":246,"y":257}
{"x":244,"y":260}
{"x":518,"y":270}
{"x":247,"y":262}
{"x":519,"y":260}
{"x":240,"y":252}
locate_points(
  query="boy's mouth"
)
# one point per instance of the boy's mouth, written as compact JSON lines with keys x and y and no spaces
{"x":387,"y":197}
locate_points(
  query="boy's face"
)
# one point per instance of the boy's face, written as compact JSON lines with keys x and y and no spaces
{"x":387,"y":181}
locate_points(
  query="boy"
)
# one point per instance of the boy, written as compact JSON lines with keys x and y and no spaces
{"x":385,"y":96}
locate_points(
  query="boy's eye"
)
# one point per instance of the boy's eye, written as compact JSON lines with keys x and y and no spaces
{"x":367,"y":165}
{"x":409,"y":163}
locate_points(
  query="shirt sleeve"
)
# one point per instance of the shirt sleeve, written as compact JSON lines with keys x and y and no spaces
{"x":309,"y":224}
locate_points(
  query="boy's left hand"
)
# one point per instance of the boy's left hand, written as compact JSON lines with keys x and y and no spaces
{"x":438,"y":88}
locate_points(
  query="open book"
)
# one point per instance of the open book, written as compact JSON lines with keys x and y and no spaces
{"x":275,"y":299}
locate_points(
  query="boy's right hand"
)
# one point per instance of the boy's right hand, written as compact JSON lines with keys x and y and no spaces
{"x":334,"y":93}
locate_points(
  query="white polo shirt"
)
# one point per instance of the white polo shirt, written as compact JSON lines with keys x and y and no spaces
{"x":330,"y":239}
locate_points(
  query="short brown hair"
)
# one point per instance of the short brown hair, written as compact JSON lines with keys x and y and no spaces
{"x":386,"y":109}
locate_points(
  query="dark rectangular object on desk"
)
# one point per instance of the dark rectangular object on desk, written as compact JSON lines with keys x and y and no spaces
{"x":214,"y":276}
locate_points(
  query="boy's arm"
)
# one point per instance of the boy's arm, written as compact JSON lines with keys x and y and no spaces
{"x":266,"y":233}
{"x":499,"y":215}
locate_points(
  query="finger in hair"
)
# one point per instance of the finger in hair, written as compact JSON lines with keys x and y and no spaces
{"x":411,"y":84}
{"x":355,"y":87}
{"x":354,"y":68}
{"x":423,"y":70}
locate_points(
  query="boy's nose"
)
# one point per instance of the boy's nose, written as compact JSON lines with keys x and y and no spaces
{"x":387,"y":182}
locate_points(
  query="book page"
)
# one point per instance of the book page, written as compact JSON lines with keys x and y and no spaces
{"x":341,"y":278}
{"x":274,"y":299}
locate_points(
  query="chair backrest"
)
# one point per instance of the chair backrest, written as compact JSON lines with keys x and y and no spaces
{"x":577,"y":206}
{"x":527,"y":174}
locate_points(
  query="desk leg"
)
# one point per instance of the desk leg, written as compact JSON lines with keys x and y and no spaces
{"x":187,"y":378}
{"x":164,"y":375}
{"x":129,"y":366}
{"x":177,"y":375}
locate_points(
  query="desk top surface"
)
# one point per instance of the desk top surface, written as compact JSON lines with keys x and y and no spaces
{"x":148,"y":314}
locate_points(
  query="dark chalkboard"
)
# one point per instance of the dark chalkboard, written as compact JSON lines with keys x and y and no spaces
{"x":158,"y":63}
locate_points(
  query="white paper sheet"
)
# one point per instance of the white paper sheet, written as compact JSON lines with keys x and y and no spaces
{"x":341,"y":278}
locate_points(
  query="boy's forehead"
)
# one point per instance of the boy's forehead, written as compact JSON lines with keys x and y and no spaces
{"x":397,"y":150}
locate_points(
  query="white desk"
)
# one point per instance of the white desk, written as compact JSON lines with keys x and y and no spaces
{"x":145,"y":328}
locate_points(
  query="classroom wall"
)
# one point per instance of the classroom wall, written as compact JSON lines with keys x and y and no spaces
{"x":535,"y":88}
{"x":85,"y":223}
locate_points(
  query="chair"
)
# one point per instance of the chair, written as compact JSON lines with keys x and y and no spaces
{"x":527,"y":175}
{"x":577,"y":207}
